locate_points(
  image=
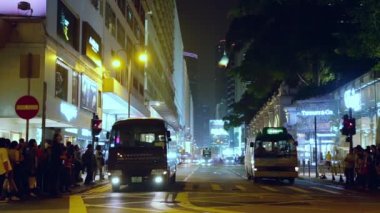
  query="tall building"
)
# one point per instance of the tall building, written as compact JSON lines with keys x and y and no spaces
{"x":69,"y":50}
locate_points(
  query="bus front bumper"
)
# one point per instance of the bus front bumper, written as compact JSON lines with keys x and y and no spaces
{"x":275,"y":174}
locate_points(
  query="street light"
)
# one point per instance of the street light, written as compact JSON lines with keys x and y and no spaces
{"x":116,"y":63}
{"x":224,"y":60}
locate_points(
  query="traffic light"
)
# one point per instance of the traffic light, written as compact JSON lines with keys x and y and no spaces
{"x":352,"y":126}
{"x":96,"y":126}
{"x":349,"y":126}
{"x":345,"y":125}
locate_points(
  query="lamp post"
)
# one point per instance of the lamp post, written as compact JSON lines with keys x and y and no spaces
{"x":117,"y":63}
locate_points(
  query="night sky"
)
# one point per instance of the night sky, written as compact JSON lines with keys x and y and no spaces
{"x":203,"y":24}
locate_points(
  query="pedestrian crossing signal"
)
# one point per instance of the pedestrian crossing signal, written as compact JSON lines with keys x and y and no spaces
{"x":96,"y":126}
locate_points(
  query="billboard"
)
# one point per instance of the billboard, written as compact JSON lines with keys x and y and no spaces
{"x":26,"y":8}
{"x":89,"y":94}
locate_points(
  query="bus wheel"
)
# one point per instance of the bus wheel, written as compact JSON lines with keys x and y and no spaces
{"x":115,"y":188}
{"x":256,"y":179}
{"x":291,"y":181}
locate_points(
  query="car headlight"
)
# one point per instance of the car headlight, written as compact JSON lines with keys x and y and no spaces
{"x":296,"y":168}
{"x":158,"y":172}
{"x":115,"y":180}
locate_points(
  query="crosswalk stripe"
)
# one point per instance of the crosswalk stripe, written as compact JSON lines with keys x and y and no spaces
{"x":325,"y":190}
{"x":241,"y":188}
{"x":269,"y":188}
{"x":297,"y":189}
{"x":216,"y":187}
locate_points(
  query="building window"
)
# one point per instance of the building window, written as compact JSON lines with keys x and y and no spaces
{"x":61,"y":82}
{"x":120,"y":34}
{"x":129,"y":15}
{"x":121,"y":4}
{"x":110,"y":20}
{"x":95,"y":3}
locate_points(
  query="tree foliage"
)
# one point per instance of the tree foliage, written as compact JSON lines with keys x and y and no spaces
{"x":312,"y":44}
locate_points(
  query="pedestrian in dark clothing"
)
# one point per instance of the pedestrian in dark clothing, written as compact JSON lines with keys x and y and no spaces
{"x":31,"y":166}
{"x":55,"y":164}
{"x":89,"y":163}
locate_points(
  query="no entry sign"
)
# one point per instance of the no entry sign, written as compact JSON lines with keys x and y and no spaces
{"x":27,"y":107}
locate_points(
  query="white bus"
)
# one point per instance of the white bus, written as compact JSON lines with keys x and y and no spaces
{"x":272,"y":154}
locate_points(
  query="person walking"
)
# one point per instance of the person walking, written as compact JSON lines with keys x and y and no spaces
{"x":99,"y":161}
{"x":89,"y":162}
{"x":31,"y":166}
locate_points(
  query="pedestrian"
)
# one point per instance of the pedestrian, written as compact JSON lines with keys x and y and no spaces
{"x":78,"y":166}
{"x":5,"y":171}
{"x":55,"y":164}
{"x":349,"y":166}
{"x":89,"y":163}
{"x":31,"y":166}
{"x":328,"y":160}
{"x":99,"y":161}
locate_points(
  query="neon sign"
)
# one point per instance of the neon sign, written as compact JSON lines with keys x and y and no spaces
{"x":317,"y":112}
{"x":352,"y":100}
{"x":274,"y":131}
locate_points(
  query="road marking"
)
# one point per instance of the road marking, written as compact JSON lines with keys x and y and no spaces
{"x":99,"y":189}
{"x":125,"y":208}
{"x":77,"y":205}
{"x":188,"y":176}
{"x":297,"y":189}
{"x":216,"y":187}
{"x":325,"y":190}
{"x":335,"y":187}
{"x":269,"y":188}
{"x":183,"y":199}
{"x":241,"y":188}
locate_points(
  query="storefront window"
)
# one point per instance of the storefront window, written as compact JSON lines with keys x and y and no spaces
{"x":110,"y":20}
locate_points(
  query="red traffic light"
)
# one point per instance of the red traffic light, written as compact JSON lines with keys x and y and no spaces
{"x":96,"y":126}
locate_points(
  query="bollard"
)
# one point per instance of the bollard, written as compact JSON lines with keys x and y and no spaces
{"x":308,"y":164}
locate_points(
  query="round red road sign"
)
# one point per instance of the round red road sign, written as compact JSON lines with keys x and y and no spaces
{"x":27,"y":107}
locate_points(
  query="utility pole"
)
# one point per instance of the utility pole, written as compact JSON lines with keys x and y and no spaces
{"x":316,"y":147}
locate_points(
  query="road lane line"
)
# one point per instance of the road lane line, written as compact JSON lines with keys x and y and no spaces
{"x":216,"y":187}
{"x":77,"y":205}
{"x":298,"y":189}
{"x":188,"y":176}
{"x":184,"y":202}
{"x":269,"y":188}
{"x":325,"y":190}
{"x":241,"y":188}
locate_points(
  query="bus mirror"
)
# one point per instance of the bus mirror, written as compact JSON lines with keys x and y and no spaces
{"x":108,"y":135}
{"x":251,"y":144}
{"x":168,"y":134}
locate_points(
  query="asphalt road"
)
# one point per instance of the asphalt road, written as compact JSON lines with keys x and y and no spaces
{"x":218,"y":188}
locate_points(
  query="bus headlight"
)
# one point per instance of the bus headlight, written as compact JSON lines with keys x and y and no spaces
{"x":115,"y":180}
{"x":158,"y":179}
{"x":255,"y":169}
{"x":296,"y":168}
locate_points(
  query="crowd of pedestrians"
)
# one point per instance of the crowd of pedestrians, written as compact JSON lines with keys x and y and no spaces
{"x":30,"y":170}
{"x":362,"y":167}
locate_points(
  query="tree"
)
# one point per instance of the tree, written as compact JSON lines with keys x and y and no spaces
{"x":305,"y":43}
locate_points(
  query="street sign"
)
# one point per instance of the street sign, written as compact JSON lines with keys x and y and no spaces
{"x":27,"y":107}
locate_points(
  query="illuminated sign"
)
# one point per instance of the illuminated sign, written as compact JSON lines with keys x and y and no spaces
{"x":69,"y":111}
{"x":67,"y":25}
{"x":92,"y":44}
{"x":317,"y":112}
{"x":274,"y":130}
{"x":352,"y":100}
{"x":25,"y":8}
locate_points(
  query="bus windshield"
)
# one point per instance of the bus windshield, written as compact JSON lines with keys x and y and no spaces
{"x":280,"y":148}
{"x":138,"y":136}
